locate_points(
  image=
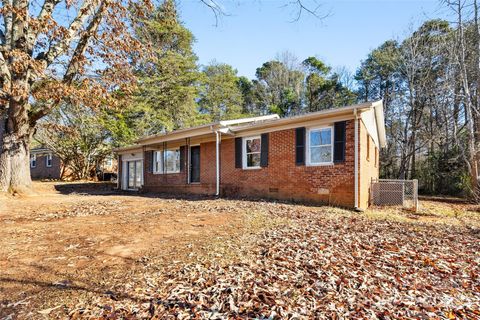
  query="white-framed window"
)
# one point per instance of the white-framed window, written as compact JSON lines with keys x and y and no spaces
{"x":320,"y":146}
{"x":48,"y":160}
{"x":252,"y":147}
{"x":33,"y":160}
{"x":167,"y":161}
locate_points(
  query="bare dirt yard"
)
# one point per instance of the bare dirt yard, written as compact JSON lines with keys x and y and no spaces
{"x":84,"y":251}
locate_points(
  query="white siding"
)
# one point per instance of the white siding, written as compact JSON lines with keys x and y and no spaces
{"x":368,"y":118}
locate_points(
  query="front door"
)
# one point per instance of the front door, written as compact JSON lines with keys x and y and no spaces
{"x":134,"y":174}
{"x":195,"y":164}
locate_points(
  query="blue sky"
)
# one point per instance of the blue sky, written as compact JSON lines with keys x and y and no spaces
{"x":256,"y":30}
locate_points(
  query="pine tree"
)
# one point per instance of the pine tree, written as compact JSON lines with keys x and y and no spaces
{"x":169,"y":80}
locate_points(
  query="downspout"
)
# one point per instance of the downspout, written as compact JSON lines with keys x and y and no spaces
{"x":187,"y":167}
{"x":119,"y":172}
{"x":217,"y":137}
{"x":356,"y":160}
{"x":144,"y":158}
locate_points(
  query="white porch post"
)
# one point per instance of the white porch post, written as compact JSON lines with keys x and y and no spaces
{"x":218,"y":137}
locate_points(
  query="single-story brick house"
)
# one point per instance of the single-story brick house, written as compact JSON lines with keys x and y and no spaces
{"x":329,"y":156}
{"x":44,"y":164}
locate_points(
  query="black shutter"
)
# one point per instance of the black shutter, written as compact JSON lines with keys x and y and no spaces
{"x":182,"y":158}
{"x":149,"y":155}
{"x":264,"y":151}
{"x":300,"y":146}
{"x":238,"y":152}
{"x":339,"y":139}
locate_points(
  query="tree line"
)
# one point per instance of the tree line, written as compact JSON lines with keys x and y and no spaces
{"x":175,"y":92}
{"x":101,"y":82}
{"x":428,"y":83}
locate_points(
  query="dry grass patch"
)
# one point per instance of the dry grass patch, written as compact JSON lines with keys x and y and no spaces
{"x":436,"y":212}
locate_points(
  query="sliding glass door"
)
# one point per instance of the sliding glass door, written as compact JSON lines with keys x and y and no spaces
{"x":134,"y":176}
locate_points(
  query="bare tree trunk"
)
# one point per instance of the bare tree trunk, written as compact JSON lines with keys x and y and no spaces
{"x":15,"y":151}
{"x":5,"y":168}
{"x":472,"y":152}
{"x":15,"y":131}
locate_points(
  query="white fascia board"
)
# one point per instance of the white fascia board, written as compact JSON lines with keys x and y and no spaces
{"x":128,"y":149}
{"x":370,"y":123}
{"x":247,"y":120}
{"x":181,"y":134}
{"x":380,"y":120}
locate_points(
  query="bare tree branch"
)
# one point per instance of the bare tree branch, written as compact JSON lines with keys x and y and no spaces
{"x":7,"y":20}
{"x":74,"y":63}
{"x":60,"y":47}
{"x":82,"y":45}
{"x":216,"y":9}
{"x":6,"y":78}
{"x":301,"y":8}
{"x":312,"y":11}
{"x":45,"y":14}
{"x":19,"y":23}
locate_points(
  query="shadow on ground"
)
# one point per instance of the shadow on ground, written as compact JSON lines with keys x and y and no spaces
{"x":87,"y":188}
{"x":109,"y":188}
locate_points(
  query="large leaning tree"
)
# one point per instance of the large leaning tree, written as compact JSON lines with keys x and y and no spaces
{"x":73,"y":51}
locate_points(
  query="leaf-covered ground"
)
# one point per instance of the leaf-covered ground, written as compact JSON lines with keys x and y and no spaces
{"x":265,"y":260}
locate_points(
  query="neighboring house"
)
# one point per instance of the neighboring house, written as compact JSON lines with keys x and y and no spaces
{"x":107,"y":170}
{"x":329,"y":156}
{"x":44,"y":164}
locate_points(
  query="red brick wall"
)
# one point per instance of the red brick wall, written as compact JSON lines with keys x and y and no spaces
{"x":156,"y":179}
{"x":41,"y":171}
{"x":177,"y":182}
{"x":282,"y":179}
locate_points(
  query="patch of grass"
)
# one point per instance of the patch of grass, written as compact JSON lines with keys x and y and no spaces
{"x":238,"y":247}
{"x":430,"y":212}
{"x":258,"y":221}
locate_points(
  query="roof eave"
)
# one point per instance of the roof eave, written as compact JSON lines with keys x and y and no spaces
{"x":310,"y":116}
{"x":128,"y":148}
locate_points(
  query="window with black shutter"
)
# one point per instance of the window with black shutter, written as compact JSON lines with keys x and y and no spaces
{"x":264,"y":150}
{"x":238,"y":152}
{"x":300,"y":146}
{"x":149,"y":155}
{"x":339,"y":141}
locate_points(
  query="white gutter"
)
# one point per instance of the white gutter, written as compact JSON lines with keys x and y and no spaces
{"x":356,"y":159}
{"x":251,"y":120}
{"x":217,"y":156}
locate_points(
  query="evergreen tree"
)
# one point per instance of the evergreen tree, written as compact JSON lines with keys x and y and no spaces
{"x":323,"y":89}
{"x":280,"y":86}
{"x":221,"y":97}
{"x":168,"y":81}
